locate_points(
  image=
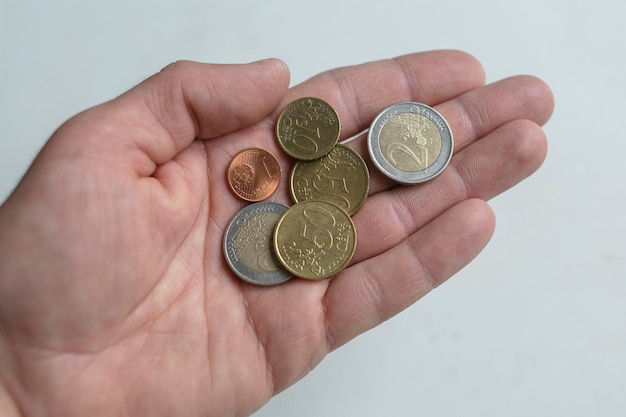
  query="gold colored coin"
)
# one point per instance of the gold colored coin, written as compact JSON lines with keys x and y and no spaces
{"x":314,"y":239}
{"x":340,"y":177}
{"x":308,"y":128}
{"x":411,"y":142}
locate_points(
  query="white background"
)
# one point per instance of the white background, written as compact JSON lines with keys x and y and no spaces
{"x":536,"y":325}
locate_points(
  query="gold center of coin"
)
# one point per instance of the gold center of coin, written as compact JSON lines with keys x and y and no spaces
{"x":410,"y":142}
{"x":254,"y":243}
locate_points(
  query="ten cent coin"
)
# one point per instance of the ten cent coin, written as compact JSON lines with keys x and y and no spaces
{"x":248,"y":244}
{"x":340,"y":177}
{"x":410,"y":142}
{"x":254,"y":174}
{"x":314,"y":239}
{"x":308,"y":128}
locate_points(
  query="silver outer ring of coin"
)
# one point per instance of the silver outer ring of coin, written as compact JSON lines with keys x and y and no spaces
{"x":239,"y":268}
{"x":406,"y":177}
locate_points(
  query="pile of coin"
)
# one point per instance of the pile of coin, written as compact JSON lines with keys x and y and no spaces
{"x":267,"y":243}
{"x":315,"y":238}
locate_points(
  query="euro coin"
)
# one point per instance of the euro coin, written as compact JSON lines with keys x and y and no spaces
{"x":410,"y":142}
{"x":254,"y":174}
{"x":314,"y":239}
{"x":248,"y":246}
{"x":340,"y":177}
{"x":308,"y":128}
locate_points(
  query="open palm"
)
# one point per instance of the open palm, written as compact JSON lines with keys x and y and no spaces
{"x":115,"y":298}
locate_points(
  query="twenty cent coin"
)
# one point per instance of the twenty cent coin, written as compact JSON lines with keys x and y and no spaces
{"x":410,"y":142}
{"x":254,"y":174}
{"x":340,"y":177}
{"x":308,"y":128}
{"x":314,"y":239}
{"x":248,"y":244}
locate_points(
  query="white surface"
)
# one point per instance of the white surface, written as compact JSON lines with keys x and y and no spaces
{"x":535,"y":326}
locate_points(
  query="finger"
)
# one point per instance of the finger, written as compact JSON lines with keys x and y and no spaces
{"x":372,"y":291}
{"x":360,"y":92}
{"x":478,"y":112}
{"x":482,"y":170}
{"x":154,"y":121}
{"x":218,"y":98}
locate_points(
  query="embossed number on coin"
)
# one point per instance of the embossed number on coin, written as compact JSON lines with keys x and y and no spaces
{"x":340,"y":177}
{"x":254,"y":174}
{"x":248,"y":244}
{"x":308,"y":128}
{"x":410,"y":142}
{"x":314,"y":239}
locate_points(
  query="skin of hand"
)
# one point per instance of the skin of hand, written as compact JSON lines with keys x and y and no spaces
{"x":115,"y":298}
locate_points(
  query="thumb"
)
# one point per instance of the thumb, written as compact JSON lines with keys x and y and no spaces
{"x":161,"y":116}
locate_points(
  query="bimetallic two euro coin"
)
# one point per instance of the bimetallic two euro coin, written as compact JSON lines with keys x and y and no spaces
{"x":340,"y":177}
{"x":248,"y":246}
{"x":254,"y":174}
{"x":410,"y":142}
{"x":308,"y":128}
{"x":314,"y":239}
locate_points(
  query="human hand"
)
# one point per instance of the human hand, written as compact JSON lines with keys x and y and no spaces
{"x":115,"y":298}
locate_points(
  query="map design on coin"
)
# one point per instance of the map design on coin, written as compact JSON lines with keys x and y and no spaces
{"x":410,"y":142}
{"x":248,"y":245}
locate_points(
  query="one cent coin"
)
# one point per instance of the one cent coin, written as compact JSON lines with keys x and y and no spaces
{"x":254,"y":174}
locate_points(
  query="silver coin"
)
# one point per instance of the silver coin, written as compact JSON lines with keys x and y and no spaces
{"x":248,"y":245}
{"x":410,"y":142}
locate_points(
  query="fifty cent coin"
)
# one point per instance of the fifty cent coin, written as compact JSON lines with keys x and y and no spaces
{"x":340,"y":177}
{"x":308,"y":128}
{"x":410,"y":142}
{"x":248,"y":244}
{"x":314,"y":239}
{"x":254,"y":174}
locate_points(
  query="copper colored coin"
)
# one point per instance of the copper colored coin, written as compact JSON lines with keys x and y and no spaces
{"x":254,"y":174}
